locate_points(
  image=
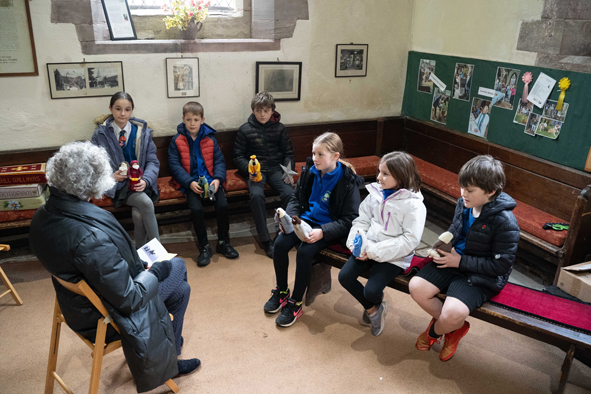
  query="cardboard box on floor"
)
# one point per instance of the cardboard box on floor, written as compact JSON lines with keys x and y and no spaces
{"x":576,"y":280}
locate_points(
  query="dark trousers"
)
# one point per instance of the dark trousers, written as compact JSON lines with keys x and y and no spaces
{"x":257,"y":199}
{"x":283,"y":244}
{"x":222,"y":215}
{"x":175,"y":292}
{"x":380,"y":275}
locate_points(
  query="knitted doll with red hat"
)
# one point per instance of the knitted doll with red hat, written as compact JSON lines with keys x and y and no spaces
{"x":134,"y":173}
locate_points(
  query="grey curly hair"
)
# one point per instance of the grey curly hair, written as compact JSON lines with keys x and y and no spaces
{"x":81,"y":169}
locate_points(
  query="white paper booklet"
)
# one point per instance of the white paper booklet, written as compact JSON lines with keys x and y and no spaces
{"x":153,"y":251}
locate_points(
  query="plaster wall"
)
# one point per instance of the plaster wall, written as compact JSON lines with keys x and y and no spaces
{"x":29,"y":118}
{"x":480,"y":29}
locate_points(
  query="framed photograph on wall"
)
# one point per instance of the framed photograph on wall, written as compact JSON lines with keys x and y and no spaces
{"x":351,"y":60}
{"x":119,"y":20}
{"x":74,"y":80}
{"x":283,"y":80}
{"x":182,"y":76}
{"x":17,"y":46}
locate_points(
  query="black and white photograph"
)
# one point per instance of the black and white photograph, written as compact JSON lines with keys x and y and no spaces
{"x":523,"y":111}
{"x":551,"y":112}
{"x":506,"y":84}
{"x":532,"y":124}
{"x":101,"y":77}
{"x":424,"y":83}
{"x":75,"y":80}
{"x":351,"y":60}
{"x":462,"y":82}
{"x":283,"y":80}
{"x":182,"y":77}
{"x":549,"y":128}
{"x":479,"y":117}
{"x":440,"y":105}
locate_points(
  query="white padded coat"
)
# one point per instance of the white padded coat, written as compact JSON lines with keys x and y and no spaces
{"x":393,"y":227}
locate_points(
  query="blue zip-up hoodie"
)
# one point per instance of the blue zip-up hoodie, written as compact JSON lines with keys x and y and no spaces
{"x":320,"y":196}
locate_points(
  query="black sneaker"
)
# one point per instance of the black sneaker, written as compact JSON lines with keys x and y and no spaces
{"x":187,"y":366}
{"x":268,"y":246}
{"x":277,"y":301}
{"x":289,"y":314}
{"x":226,"y":250}
{"x":204,"y":257}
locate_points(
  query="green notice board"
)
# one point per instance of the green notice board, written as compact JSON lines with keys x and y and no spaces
{"x":570,"y":148}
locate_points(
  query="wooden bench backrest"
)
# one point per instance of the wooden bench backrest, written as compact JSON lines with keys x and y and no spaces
{"x":548,"y":186}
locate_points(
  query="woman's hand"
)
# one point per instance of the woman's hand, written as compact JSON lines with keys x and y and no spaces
{"x":315,"y":235}
{"x":449,"y":259}
{"x":120,"y":176}
{"x":140,"y":186}
{"x":215,"y":184}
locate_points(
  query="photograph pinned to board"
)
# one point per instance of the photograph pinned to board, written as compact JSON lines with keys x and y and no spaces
{"x":182,"y":76}
{"x":440,"y":105}
{"x":548,"y":128}
{"x":351,"y":60}
{"x":479,"y":117}
{"x":424,"y":83}
{"x":541,"y":90}
{"x":532,"y":124}
{"x":462,"y":81}
{"x":523,"y":111}
{"x":551,"y":112}
{"x":506,"y":83}
{"x":283,"y":80}
{"x":73,"y":80}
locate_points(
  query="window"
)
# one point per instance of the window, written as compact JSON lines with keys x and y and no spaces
{"x":216,"y":7}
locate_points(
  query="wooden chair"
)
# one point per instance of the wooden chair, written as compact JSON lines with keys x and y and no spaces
{"x":99,"y":348}
{"x":7,"y":283}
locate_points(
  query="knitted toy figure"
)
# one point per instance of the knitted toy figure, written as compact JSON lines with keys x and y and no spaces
{"x":443,"y":243}
{"x":359,"y":243}
{"x":134,"y":174}
{"x":284,"y":220}
{"x":254,"y":168}
{"x":288,"y":173}
{"x":205,"y":186}
{"x":301,"y":228}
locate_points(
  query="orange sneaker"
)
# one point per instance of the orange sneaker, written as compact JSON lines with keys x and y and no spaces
{"x":424,"y":341}
{"x":451,"y":342}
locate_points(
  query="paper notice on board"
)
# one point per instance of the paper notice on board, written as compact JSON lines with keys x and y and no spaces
{"x":437,"y":81}
{"x":486,"y":92}
{"x":541,"y":90}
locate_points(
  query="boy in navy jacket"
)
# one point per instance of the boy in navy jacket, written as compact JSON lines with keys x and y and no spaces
{"x":192,"y":153}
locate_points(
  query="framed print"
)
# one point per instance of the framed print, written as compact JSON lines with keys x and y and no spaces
{"x":351,"y":60}
{"x":182,"y":76}
{"x":74,"y":80}
{"x":17,"y":46}
{"x":119,"y":20}
{"x":283,"y":80}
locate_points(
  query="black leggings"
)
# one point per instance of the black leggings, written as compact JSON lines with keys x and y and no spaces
{"x":380,"y":275}
{"x":283,"y":244}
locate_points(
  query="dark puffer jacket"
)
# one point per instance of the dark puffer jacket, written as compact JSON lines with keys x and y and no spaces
{"x":343,"y":205}
{"x":491,"y":242}
{"x":269,"y":142}
{"x":77,"y":240}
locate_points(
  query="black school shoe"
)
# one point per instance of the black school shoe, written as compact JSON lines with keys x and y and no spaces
{"x":205,"y":256}
{"x":226,"y":250}
{"x":187,"y":366}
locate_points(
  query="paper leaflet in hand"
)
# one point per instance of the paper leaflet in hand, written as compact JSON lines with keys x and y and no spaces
{"x":284,"y":220}
{"x":288,"y":173}
{"x":359,"y":244}
{"x":443,"y":243}
{"x":153,"y":251}
{"x":301,"y":228}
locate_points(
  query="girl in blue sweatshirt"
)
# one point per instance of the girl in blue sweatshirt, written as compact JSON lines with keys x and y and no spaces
{"x":327,"y":198}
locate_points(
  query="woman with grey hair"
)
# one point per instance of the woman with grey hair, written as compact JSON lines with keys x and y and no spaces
{"x":75,"y":239}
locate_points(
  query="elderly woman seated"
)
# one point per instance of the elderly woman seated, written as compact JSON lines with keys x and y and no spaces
{"x":74,"y":239}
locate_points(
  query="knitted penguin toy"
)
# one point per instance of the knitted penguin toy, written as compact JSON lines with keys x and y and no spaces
{"x":284,"y":220}
{"x":301,"y":228}
{"x":443,"y":243}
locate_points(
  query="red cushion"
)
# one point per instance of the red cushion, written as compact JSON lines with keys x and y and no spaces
{"x":530,"y":219}
{"x":366,"y":166}
{"x":234,"y":181}
{"x":10,"y":216}
{"x":168,"y":188}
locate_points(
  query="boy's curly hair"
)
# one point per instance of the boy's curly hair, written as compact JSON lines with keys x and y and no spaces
{"x":262,"y":100}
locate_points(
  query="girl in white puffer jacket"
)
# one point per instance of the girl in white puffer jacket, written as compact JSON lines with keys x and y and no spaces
{"x":391,"y":222}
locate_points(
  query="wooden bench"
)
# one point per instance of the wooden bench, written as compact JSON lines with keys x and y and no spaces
{"x":573,"y":342}
{"x":544,"y":191}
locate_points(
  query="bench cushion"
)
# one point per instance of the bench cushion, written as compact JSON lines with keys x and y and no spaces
{"x":530,"y":219}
